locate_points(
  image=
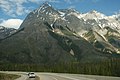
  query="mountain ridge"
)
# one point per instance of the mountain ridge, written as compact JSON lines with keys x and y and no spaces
{"x":6,"y":32}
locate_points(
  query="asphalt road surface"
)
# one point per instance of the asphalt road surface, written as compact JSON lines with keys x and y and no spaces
{"x":61,"y":76}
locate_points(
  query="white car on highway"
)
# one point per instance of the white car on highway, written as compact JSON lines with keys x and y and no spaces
{"x":31,"y":75}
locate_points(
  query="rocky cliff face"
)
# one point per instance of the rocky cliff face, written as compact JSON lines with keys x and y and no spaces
{"x":49,"y":35}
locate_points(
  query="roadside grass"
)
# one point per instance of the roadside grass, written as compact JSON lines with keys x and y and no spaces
{"x":4,"y":76}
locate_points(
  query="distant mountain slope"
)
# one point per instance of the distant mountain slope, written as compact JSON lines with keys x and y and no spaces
{"x":5,"y":32}
{"x":49,"y":35}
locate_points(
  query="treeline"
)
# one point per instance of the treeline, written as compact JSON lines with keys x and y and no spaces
{"x":106,"y":68}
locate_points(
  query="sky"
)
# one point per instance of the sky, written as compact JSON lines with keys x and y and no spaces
{"x":13,"y":12}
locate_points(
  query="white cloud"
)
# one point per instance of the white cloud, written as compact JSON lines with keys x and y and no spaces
{"x":72,"y":1}
{"x":68,"y":1}
{"x":17,"y":8}
{"x":42,"y":1}
{"x":12,"y":23}
{"x":13,"y":7}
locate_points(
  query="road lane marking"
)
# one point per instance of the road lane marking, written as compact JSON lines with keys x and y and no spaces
{"x":54,"y":78}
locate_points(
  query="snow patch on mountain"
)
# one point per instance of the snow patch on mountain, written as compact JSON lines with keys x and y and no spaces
{"x":96,"y":25}
{"x":93,"y":15}
{"x":61,"y":13}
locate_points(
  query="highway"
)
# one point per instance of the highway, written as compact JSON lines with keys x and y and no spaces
{"x":55,"y":76}
{"x":61,"y":76}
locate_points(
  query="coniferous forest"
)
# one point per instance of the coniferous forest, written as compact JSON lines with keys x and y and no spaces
{"x":106,"y":68}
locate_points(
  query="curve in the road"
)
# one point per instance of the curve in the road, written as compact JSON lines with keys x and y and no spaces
{"x":60,"y":76}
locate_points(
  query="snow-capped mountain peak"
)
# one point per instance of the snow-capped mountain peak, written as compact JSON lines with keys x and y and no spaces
{"x":116,"y":17}
{"x":46,"y":8}
{"x":93,"y":12}
{"x":94,"y":15}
